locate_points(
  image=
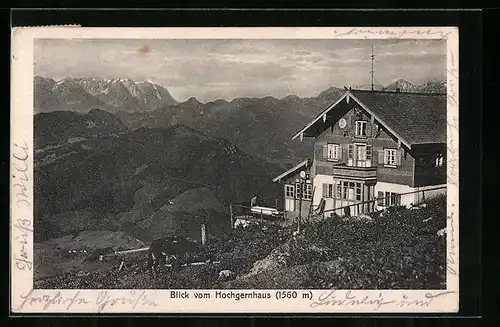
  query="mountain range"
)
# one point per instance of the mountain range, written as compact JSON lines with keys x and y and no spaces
{"x":83,"y":94}
{"x":406,"y":86}
{"x":58,"y":127}
{"x":259,"y":126}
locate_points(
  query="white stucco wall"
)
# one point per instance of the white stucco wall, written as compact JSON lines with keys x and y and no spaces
{"x":406,"y":199}
{"x":318,"y":181}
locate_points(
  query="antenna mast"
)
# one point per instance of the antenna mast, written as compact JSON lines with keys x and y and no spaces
{"x":372,"y":71}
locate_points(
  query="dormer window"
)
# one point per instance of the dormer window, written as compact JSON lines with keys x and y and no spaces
{"x":361,"y":128}
{"x":438,"y":162}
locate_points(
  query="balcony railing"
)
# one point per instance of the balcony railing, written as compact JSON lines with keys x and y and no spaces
{"x":354,"y":171}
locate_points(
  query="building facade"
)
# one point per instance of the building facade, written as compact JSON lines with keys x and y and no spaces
{"x":373,"y":148}
{"x":298,"y":190}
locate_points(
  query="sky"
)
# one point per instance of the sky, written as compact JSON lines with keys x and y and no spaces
{"x":227,"y":69}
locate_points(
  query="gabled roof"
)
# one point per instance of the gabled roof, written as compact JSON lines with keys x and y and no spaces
{"x":417,"y":117}
{"x":414,"y":118}
{"x":291,"y":170}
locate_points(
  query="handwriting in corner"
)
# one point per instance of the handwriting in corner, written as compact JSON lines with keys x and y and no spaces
{"x":330,"y":298}
{"x":439,"y":35}
{"x":20,"y":174}
{"x":23,"y":229}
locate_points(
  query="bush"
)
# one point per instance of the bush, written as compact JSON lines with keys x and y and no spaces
{"x":399,"y":249}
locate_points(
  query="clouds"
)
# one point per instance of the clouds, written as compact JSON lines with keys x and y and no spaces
{"x":210,"y":69}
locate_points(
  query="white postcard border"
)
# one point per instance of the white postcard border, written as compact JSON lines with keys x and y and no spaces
{"x":26,"y":300}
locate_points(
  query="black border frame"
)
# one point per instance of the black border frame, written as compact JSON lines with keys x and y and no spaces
{"x":470,"y":112}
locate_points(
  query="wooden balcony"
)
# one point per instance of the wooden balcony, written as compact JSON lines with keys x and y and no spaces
{"x":364,"y":173}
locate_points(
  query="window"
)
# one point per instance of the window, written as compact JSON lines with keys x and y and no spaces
{"x":396,"y":199}
{"x":358,"y":191}
{"x":308,"y":192}
{"x":380,"y":198}
{"x":438,"y":162}
{"x":338,"y":193}
{"x":361,"y":152}
{"x":298,"y":190}
{"x":327,"y":190}
{"x":359,"y":155}
{"x":349,"y":191}
{"x":392,"y":199}
{"x":360,"y":128}
{"x":350,"y":155}
{"x":390,"y":157}
{"x":334,"y":151}
{"x":388,"y":199}
{"x":345,"y":188}
{"x":289,"y":191}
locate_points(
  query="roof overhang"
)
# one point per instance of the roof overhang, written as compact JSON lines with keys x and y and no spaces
{"x":322,"y":116}
{"x":348,"y":96}
{"x":291,"y":171}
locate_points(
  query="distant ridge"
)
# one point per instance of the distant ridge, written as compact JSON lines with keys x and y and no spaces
{"x":82,"y":93}
{"x":407,"y":86}
{"x":259,"y":126}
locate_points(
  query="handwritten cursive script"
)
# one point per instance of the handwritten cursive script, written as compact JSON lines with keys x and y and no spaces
{"x":336,"y":298}
{"x":396,"y":33}
{"x":20,"y":174}
{"x":348,"y":299}
{"x":452,"y":254}
{"x":22,"y":229}
{"x":452,"y":100}
{"x":135,"y":299}
{"x":452,"y":160}
{"x":104,"y":300}
{"x":406,"y":302}
{"x":48,"y":300}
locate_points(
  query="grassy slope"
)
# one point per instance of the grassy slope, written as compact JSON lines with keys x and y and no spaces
{"x":396,"y":250}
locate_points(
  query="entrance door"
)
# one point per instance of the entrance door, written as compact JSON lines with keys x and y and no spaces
{"x":289,"y":204}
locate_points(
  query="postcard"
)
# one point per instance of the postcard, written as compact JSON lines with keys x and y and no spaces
{"x":234,"y":170}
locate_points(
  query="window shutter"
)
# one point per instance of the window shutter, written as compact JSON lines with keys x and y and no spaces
{"x":319,"y":151}
{"x":325,"y":151}
{"x":398,"y":157}
{"x":368,"y":129}
{"x":339,"y":152}
{"x":325,"y":190}
{"x":381,"y":157}
{"x":375,"y":160}
{"x":350,"y":154}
